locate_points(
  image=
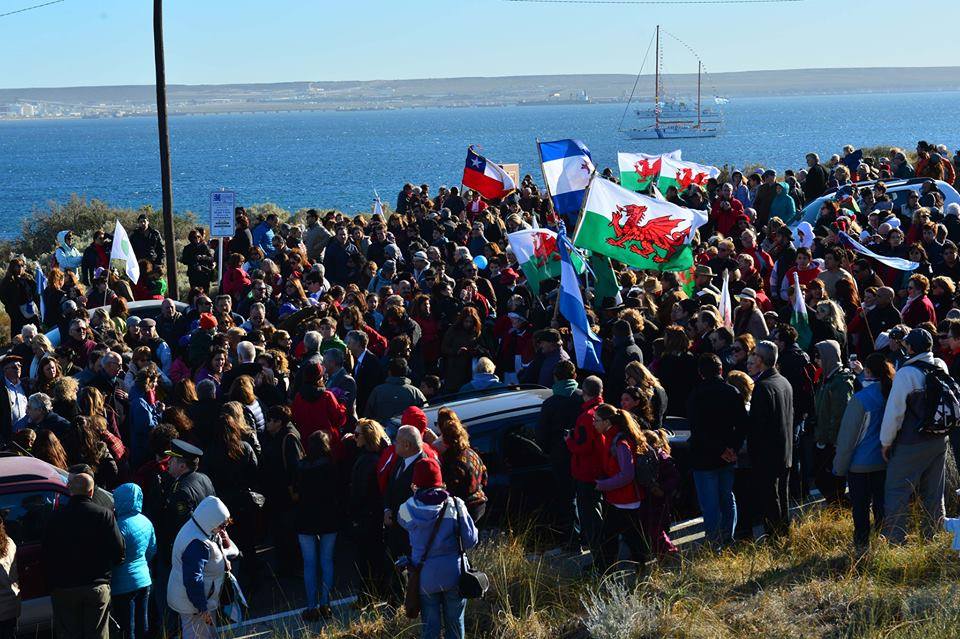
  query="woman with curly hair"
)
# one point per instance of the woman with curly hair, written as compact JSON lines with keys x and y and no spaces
{"x":89,"y":449}
{"x":463,"y":471}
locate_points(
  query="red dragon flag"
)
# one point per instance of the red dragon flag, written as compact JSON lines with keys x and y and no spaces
{"x":538,"y":257}
{"x":638,"y":170}
{"x":486,"y":177}
{"x":637,"y":230}
{"x":682,"y":174}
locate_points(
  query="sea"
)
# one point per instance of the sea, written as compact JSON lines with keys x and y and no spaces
{"x":339,"y":159}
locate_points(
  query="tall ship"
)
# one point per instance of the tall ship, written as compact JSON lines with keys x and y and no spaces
{"x":673,"y":117}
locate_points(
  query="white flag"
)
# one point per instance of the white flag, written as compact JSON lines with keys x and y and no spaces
{"x":726,"y":307}
{"x":377,"y":204}
{"x":124,"y":252}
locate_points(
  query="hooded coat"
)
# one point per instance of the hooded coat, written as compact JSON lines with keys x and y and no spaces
{"x":834,"y":394}
{"x":199,"y":561}
{"x":441,"y":565}
{"x":68,"y":257}
{"x":139,"y":539}
{"x":783,"y":206}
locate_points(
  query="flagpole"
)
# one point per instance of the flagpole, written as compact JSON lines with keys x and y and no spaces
{"x":583,"y":204}
{"x":546,"y":182}
{"x":869,"y":332}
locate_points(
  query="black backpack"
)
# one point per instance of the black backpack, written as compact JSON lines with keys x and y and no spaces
{"x":941,"y":401}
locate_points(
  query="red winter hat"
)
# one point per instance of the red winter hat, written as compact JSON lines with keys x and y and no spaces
{"x":426,"y":473}
{"x":415,"y":417}
{"x":207,"y":321}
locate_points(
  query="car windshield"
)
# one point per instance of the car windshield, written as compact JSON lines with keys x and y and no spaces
{"x":25,"y":514}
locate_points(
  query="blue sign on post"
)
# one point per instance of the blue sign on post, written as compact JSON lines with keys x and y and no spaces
{"x":222,"y":220}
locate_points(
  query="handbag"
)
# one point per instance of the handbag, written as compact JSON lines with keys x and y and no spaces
{"x":473,"y":583}
{"x":411,"y":598}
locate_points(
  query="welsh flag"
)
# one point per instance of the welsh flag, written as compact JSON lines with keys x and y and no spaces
{"x":798,"y":315}
{"x":682,"y":174}
{"x":536,"y":252}
{"x":637,"y":230}
{"x":638,"y":170}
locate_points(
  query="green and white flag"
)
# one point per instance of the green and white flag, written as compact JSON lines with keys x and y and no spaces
{"x":798,"y":316}
{"x":536,"y":252}
{"x":682,"y":174}
{"x":123,"y":252}
{"x":635,"y":229}
{"x":638,"y":170}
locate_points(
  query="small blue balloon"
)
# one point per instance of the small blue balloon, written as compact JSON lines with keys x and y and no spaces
{"x":480,"y":262}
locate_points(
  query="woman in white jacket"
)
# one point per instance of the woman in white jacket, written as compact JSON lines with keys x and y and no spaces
{"x":202,"y":552}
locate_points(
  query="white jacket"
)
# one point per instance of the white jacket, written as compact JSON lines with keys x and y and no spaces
{"x":208,"y":515}
{"x":908,"y":380}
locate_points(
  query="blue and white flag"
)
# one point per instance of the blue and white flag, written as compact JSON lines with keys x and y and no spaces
{"x":586,"y":345}
{"x":567,"y":167}
{"x":897,"y":263}
{"x":41,"y":285}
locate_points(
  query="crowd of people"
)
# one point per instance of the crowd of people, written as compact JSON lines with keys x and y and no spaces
{"x":281,"y":403}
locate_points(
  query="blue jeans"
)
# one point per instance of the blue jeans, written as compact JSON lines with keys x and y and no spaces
{"x":130,"y":610}
{"x":442,"y":610}
{"x":318,"y":553}
{"x":719,"y":508}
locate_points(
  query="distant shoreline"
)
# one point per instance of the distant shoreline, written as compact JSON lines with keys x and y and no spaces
{"x":268,"y":109}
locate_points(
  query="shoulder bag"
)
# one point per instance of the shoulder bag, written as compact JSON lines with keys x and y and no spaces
{"x":473,"y":583}
{"x":411,"y":598}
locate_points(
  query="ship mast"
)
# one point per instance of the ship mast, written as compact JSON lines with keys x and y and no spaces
{"x":699,"y":68}
{"x":656,"y":88}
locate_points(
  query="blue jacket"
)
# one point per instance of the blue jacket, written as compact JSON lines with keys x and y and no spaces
{"x":482,"y":381}
{"x":858,"y":442}
{"x":441,"y":569}
{"x":138,"y":538}
{"x":143,"y":418}
{"x":263,"y":238}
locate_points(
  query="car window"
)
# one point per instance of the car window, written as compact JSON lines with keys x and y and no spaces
{"x":25,"y":514}
{"x":899,"y":197}
{"x":518,"y":442}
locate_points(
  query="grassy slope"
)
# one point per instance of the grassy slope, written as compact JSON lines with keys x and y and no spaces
{"x":811,"y":584}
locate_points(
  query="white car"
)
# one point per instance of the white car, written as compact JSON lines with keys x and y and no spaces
{"x":143,"y":309}
{"x":896,"y":189}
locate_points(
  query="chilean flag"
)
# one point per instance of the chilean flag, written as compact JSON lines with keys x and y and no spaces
{"x":486,"y":177}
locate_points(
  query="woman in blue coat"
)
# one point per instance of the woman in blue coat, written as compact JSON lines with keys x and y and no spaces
{"x":441,"y":606}
{"x":859,"y":454}
{"x":130,"y":583}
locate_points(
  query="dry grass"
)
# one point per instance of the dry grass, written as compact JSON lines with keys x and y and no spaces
{"x":810,"y":584}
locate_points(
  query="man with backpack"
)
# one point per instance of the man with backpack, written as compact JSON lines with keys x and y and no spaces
{"x":920,"y":412}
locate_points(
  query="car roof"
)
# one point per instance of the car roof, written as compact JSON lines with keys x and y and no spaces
{"x":133,"y":308}
{"x":15,"y":469}
{"x":473,"y":409}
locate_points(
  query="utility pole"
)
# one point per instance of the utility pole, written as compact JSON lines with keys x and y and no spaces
{"x":167,"y":185}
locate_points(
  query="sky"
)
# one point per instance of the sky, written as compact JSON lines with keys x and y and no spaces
{"x":110,"y":42}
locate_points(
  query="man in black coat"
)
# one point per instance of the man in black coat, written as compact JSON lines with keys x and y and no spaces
{"x":625,"y":350}
{"x":717,"y":419}
{"x":80,"y":547}
{"x":558,"y":415}
{"x":770,"y":436}
{"x":794,"y":364}
{"x":367,"y":371}
{"x":409,"y":449}
{"x":815,"y":183}
{"x":146,"y":242}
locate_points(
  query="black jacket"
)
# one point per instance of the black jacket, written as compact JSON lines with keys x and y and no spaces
{"x":558,"y":414}
{"x":232,"y":478}
{"x":368,"y":375}
{"x":715,"y":417}
{"x":770,"y":434}
{"x":183,"y":496}
{"x":625,"y":350}
{"x":280,"y":456}
{"x":676,"y":372}
{"x":148,"y":245}
{"x":81,"y":545}
{"x":366,"y":502}
{"x":398,"y":487}
{"x":792,"y":364}
{"x":816,"y":182}
{"x":319,"y":509}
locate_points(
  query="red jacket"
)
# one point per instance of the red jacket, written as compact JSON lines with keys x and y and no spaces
{"x":920,"y":311}
{"x":618,"y":488}
{"x":376,"y":343}
{"x":726,"y":219}
{"x":318,"y":409}
{"x":235,"y":282}
{"x":586,"y":445}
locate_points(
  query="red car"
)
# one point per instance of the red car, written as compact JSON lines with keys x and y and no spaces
{"x":30,"y":490}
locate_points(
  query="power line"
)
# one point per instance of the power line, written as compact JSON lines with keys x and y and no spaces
{"x":660,"y":2}
{"x":36,"y":6}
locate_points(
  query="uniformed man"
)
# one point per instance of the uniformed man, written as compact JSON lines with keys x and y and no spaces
{"x":188,"y":488}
